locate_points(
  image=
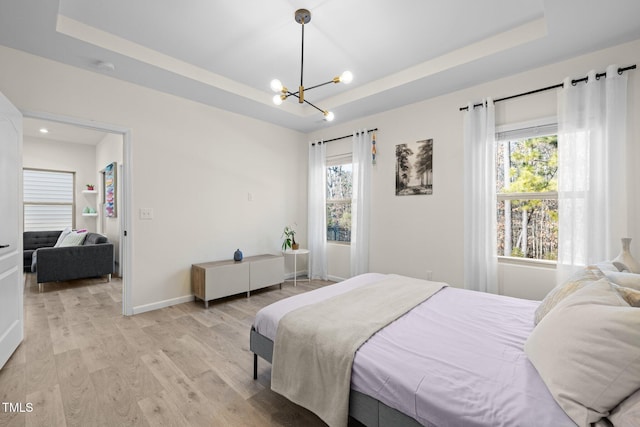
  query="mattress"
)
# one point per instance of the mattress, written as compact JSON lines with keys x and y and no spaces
{"x":457,"y":359}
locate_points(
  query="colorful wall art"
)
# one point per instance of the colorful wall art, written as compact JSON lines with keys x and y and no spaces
{"x":110,"y":190}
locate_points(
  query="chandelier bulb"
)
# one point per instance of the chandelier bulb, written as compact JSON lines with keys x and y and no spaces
{"x":277,"y":99}
{"x":276,"y":85}
{"x":346,"y":77}
{"x":329,"y":116}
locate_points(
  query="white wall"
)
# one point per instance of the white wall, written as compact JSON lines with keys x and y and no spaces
{"x":415,"y":234}
{"x":194,"y":165}
{"x":41,"y":153}
{"x":110,"y":150}
{"x":525,"y":280}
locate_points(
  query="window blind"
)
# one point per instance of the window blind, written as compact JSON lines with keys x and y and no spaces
{"x":48,"y":200}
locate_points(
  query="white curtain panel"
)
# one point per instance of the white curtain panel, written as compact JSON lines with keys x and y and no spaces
{"x":480,"y":247}
{"x":360,"y":203}
{"x":317,"y":221}
{"x":592,"y":191}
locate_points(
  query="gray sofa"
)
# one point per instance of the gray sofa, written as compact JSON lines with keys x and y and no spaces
{"x":91,"y":259}
{"x":32,"y":240}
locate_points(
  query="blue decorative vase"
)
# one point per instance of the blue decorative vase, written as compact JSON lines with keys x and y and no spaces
{"x":237,"y":255}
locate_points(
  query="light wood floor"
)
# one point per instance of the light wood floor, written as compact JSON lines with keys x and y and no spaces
{"x":84,"y":364}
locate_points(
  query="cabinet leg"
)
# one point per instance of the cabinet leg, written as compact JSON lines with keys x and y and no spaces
{"x":206,"y":304}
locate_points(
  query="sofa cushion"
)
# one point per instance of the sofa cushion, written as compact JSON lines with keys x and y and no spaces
{"x":39,"y":239}
{"x":95,"y":239}
{"x":32,"y":240}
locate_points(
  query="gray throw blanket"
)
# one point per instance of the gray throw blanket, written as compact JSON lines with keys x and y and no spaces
{"x":315,"y":345}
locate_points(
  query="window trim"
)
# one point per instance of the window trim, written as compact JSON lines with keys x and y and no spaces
{"x":537,"y":128}
{"x":504,"y":131}
{"x":529,"y":262}
{"x":553,"y":195}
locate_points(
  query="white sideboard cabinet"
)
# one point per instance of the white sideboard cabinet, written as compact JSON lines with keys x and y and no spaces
{"x":217,"y":279}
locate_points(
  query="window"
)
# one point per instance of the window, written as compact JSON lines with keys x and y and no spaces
{"x":339,"y":190}
{"x":527,"y":198}
{"x":48,"y":200}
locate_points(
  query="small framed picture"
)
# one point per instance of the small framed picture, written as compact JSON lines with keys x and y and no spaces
{"x":414,"y":168}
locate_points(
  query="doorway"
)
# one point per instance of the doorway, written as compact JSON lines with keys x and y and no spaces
{"x":117,"y":224}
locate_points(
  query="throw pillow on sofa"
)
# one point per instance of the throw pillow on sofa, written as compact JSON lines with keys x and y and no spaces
{"x":64,"y":234}
{"x":74,"y":239}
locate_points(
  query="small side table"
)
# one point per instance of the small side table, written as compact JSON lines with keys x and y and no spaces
{"x":295,"y":262}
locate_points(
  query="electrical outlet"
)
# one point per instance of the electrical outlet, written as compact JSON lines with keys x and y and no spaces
{"x":146,"y":213}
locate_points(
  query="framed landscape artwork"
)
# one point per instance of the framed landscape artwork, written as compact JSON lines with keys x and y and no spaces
{"x":414,"y":168}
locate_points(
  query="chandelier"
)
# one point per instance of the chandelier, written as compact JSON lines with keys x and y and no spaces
{"x":303,"y":16}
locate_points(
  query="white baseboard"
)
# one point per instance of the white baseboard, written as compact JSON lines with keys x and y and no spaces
{"x":162,"y":304}
{"x":188,"y":298}
{"x":289,"y":276}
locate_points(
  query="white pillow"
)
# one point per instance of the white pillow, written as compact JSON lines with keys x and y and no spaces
{"x":578,"y":281}
{"x":627,"y":414}
{"x":64,"y":234}
{"x":628,"y":280}
{"x":605,"y":266}
{"x":74,"y":239}
{"x":587,"y":351}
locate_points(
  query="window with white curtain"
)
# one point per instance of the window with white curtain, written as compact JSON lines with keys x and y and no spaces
{"x":526,"y":192}
{"x":48,"y":198}
{"x":339,"y":192}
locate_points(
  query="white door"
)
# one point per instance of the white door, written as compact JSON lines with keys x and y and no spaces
{"x":11,"y":315}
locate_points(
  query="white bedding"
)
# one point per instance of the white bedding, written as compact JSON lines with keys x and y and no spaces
{"x":455,"y":360}
{"x":266,"y":322}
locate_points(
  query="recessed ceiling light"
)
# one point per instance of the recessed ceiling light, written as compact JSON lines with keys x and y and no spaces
{"x":106,"y":66}
{"x":44,"y":130}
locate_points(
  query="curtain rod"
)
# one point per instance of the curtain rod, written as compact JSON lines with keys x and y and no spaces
{"x":344,"y":137}
{"x":573,"y":82}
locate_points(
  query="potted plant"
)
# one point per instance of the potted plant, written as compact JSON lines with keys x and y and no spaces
{"x":289,"y":242}
{"x":90,"y":187}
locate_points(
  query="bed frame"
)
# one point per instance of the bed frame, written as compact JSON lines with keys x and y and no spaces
{"x":363,"y":408}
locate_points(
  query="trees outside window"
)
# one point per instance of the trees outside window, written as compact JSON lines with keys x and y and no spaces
{"x":339,"y":191}
{"x":527,"y":210}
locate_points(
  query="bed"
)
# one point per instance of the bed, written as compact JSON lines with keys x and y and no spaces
{"x":455,"y":359}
